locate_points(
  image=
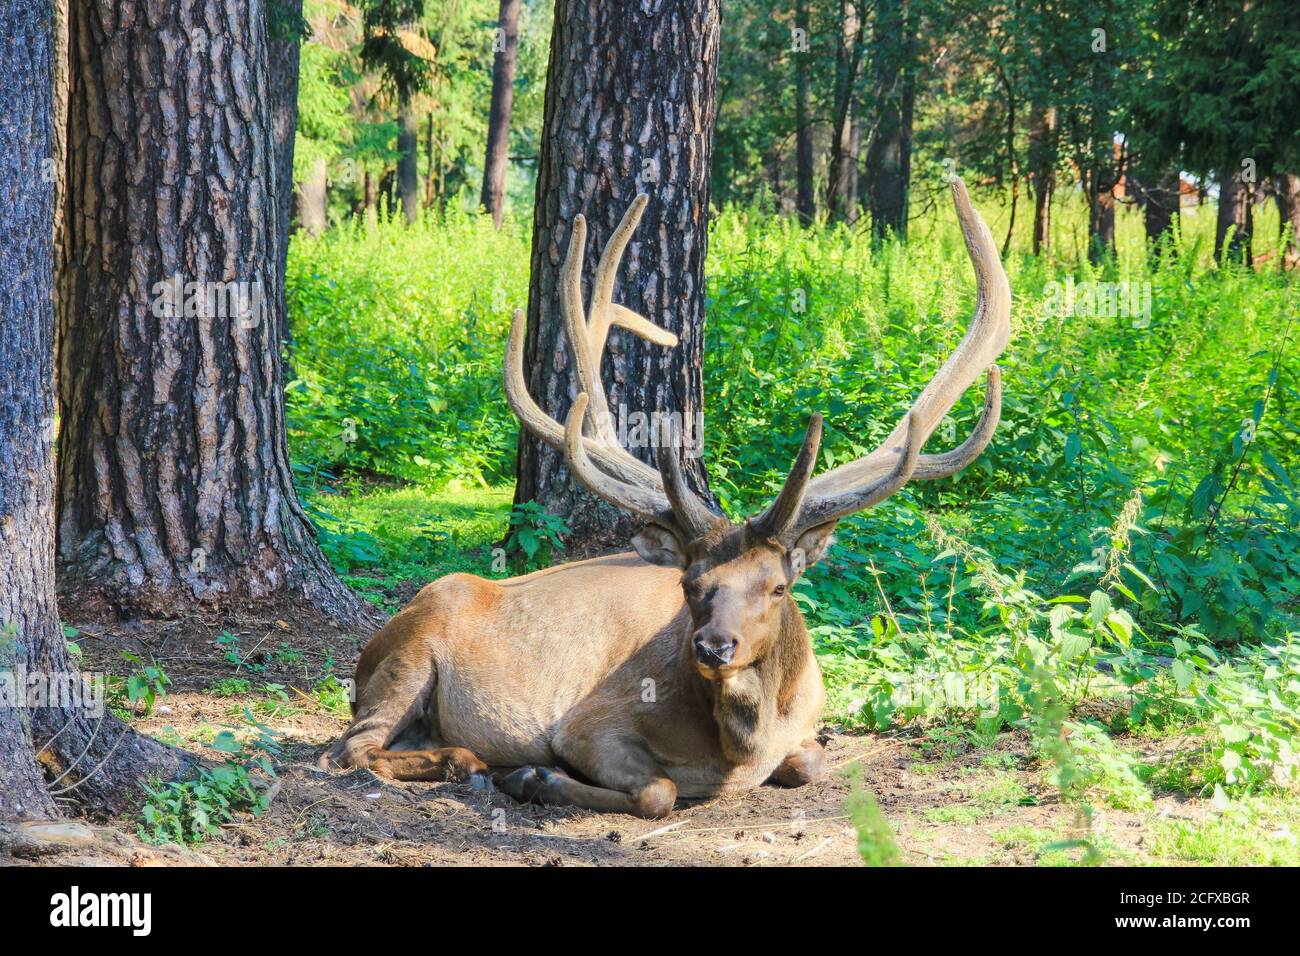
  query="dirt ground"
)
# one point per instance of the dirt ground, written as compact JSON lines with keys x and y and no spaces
{"x":948,"y":801}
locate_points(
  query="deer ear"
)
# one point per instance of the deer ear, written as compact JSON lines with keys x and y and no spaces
{"x":659,"y":545}
{"x":810,"y":547}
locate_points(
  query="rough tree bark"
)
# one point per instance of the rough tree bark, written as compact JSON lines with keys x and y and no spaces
{"x":631,"y":95}
{"x":846,"y":137}
{"x":174,"y":477}
{"x":805,"y":203}
{"x":1288,"y":207}
{"x":88,"y":754}
{"x":1234,"y":215}
{"x":497,"y":160}
{"x":408,"y":152}
{"x":889,"y":157}
{"x":1042,"y":167}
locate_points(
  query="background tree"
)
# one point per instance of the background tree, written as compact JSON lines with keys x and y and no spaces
{"x":174,"y":478}
{"x":630,"y":106}
{"x":393,"y":48}
{"x":94,"y":759}
{"x":889,"y":156}
{"x":497,"y":160}
{"x":846,"y":131}
{"x":285,"y":27}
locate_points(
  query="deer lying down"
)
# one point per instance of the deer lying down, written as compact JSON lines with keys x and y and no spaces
{"x":680,"y":670}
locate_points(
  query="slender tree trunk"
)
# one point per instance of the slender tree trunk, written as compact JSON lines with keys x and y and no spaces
{"x":429,"y":194}
{"x":313,"y":193}
{"x":497,"y":160}
{"x":805,"y":202}
{"x":408,"y":153}
{"x":1042,"y":161}
{"x":620,"y":121}
{"x":284,"y":27}
{"x":1288,"y":207}
{"x":1013,"y":162}
{"x":889,"y":157}
{"x":87,"y":754}
{"x":1234,"y":220}
{"x":174,"y":478}
{"x":842,"y":188}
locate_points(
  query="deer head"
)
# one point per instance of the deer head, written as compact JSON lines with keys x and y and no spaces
{"x":736,"y":577}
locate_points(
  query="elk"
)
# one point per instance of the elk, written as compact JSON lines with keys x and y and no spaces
{"x":680,"y":669}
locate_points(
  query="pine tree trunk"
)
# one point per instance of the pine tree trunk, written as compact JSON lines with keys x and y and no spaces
{"x":1160,"y":209}
{"x":842,"y":187}
{"x":408,"y":170}
{"x":889,"y":158}
{"x":497,"y":161}
{"x":88,"y":754}
{"x":1234,"y":215}
{"x":284,"y":24}
{"x":313,"y":193}
{"x":630,"y":104}
{"x":805,"y":202}
{"x":1288,"y":207}
{"x":174,"y":477}
{"x":1042,"y":162}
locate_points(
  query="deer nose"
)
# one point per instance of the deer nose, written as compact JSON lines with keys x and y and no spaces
{"x":714,"y":648}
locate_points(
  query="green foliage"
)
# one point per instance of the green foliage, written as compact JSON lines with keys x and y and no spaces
{"x":192,"y":810}
{"x":230,"y":687}
{"x":876,"y":844}
{"x":535,"y":536}
{"x":142,"y":686}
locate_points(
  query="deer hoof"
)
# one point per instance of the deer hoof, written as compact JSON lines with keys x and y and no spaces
{"x":523,"y":785}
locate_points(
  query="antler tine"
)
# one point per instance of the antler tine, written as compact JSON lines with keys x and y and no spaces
{"x":693,"y":517}
{"x":639,"y":499}
{"x":626,"y":468}
{"x":779,"y":519}
{"x":857,"y":484}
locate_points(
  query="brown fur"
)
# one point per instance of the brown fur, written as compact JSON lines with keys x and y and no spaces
{"x":591,"y":667}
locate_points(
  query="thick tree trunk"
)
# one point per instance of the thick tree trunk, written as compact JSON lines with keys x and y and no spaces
{"x":1234,"y":218}
{"x":1042,"y":162}
{"x":313,"y":193}
{"x":47,"y":728}
{"x":174,"y":477}
{"x":408,"y":157}
{"x":1160,"y":206}
{"x":497,"y":160}
{"x":805,"y":202}
{"x":889,"y":157}
{"x":846,"y":137}
{"x":630,"y":104}
{"x":1288,"y":207}
{"x":284,"y":26}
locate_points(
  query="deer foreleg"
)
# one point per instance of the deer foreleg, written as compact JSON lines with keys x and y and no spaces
{"x":630,"y":781}
{"x":803,"y":766}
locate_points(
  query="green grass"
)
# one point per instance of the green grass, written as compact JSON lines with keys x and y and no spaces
{"x":1256,"y":831}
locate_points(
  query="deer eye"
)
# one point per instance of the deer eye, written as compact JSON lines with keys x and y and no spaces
{"x":778,"y":590}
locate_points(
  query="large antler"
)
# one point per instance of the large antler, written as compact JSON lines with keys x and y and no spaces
{"x":857,"y":485}
{"x":587,"y":439}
